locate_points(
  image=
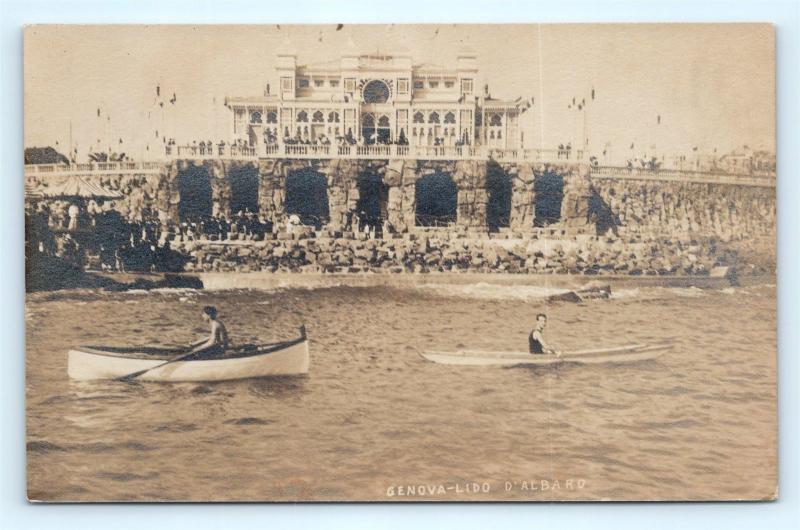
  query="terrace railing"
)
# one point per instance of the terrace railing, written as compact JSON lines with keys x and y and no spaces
{"x":388,"y":152}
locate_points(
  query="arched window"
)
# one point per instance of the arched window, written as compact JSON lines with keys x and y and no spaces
{"x":419,"y":117}
{"x":318,"y":117}
{"x":368,"y":120}
{"x":414,"y":131}
{"x":272,"y":117}
{"x":302,"y":116}
{"x":255,"y":117}
{"x":491,"y":135}
{"x":495,"y":120}
{"x":499,"y":135}
{"x":376,"y":91}
{"x":449,"y":118}
{"x":383,"y":121}
{"x":333,"y":117}
{"x":433,"y":117}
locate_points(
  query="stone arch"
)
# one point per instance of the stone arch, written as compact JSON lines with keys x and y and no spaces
{"x":600,"y":212}
{"x":194,"y":187}
{"x":548,"y":190}
{"x":498,"y":190}
{"x":437,"y":199}
{"x":244,"y":188}
{"x":373,"y":198}
{"x":307,"y":196}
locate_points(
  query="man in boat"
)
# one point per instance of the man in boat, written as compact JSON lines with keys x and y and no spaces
{"x":216,"y":343}
{"x":536,"y":342}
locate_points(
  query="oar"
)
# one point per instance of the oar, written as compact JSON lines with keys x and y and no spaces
{"x":134,"y":375}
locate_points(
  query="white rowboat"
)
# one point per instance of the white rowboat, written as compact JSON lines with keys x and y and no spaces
{"x":283,"y":358}
{"x":621,"y":354}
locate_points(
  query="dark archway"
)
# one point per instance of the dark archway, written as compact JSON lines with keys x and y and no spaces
{"x":437,"y":200}
{"x":498,"y":188}
{"x":307,"y":196}
{"x":549,"y":191}
{"x":244,"y":189}
{"x":601,"y":214}
{"x":373,"y":196}
{"x":194,"y":186}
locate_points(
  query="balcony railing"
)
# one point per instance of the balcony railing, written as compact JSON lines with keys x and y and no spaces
{"x":319,"y":151}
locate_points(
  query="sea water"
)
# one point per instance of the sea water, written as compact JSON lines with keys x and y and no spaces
{"x":375,"y":421}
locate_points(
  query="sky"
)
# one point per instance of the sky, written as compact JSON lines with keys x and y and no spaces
{"x":712,"y":85}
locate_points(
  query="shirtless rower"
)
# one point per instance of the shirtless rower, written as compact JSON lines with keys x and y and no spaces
{"x":536,"y":342}
{"x":217,"y":342}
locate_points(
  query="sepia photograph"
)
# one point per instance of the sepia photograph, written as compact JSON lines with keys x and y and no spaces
{"x":400,"y":263}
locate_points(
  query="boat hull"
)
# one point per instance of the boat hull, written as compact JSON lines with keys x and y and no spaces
{"x":624,"y":354}
{"x":289,"y":359}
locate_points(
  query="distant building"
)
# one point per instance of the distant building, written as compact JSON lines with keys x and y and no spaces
{"x":374,"y":99}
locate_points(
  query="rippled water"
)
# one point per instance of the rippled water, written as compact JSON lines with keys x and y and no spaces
{"x":374,"y":421}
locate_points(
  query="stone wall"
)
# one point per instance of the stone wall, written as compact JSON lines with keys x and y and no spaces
{"x":648,"y":208}
{"x":688,"y":209}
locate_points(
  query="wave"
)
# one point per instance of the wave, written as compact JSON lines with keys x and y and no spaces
{"x":657,"y":293}
{"x":489,"y":291}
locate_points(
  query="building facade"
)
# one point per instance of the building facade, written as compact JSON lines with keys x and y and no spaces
{"x":375,"y":99}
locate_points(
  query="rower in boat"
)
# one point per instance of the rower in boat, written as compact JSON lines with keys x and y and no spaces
{"x":536,"y":343}
{"x":217,"y":342}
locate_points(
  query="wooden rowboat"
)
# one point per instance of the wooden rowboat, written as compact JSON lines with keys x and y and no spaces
{"x":621,"y":354}
{"x":245,"y":362}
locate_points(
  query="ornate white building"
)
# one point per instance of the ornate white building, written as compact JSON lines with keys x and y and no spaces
{"x":375,"y":99}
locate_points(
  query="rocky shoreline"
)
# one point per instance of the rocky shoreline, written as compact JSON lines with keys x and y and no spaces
{"x":306,"y":251}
